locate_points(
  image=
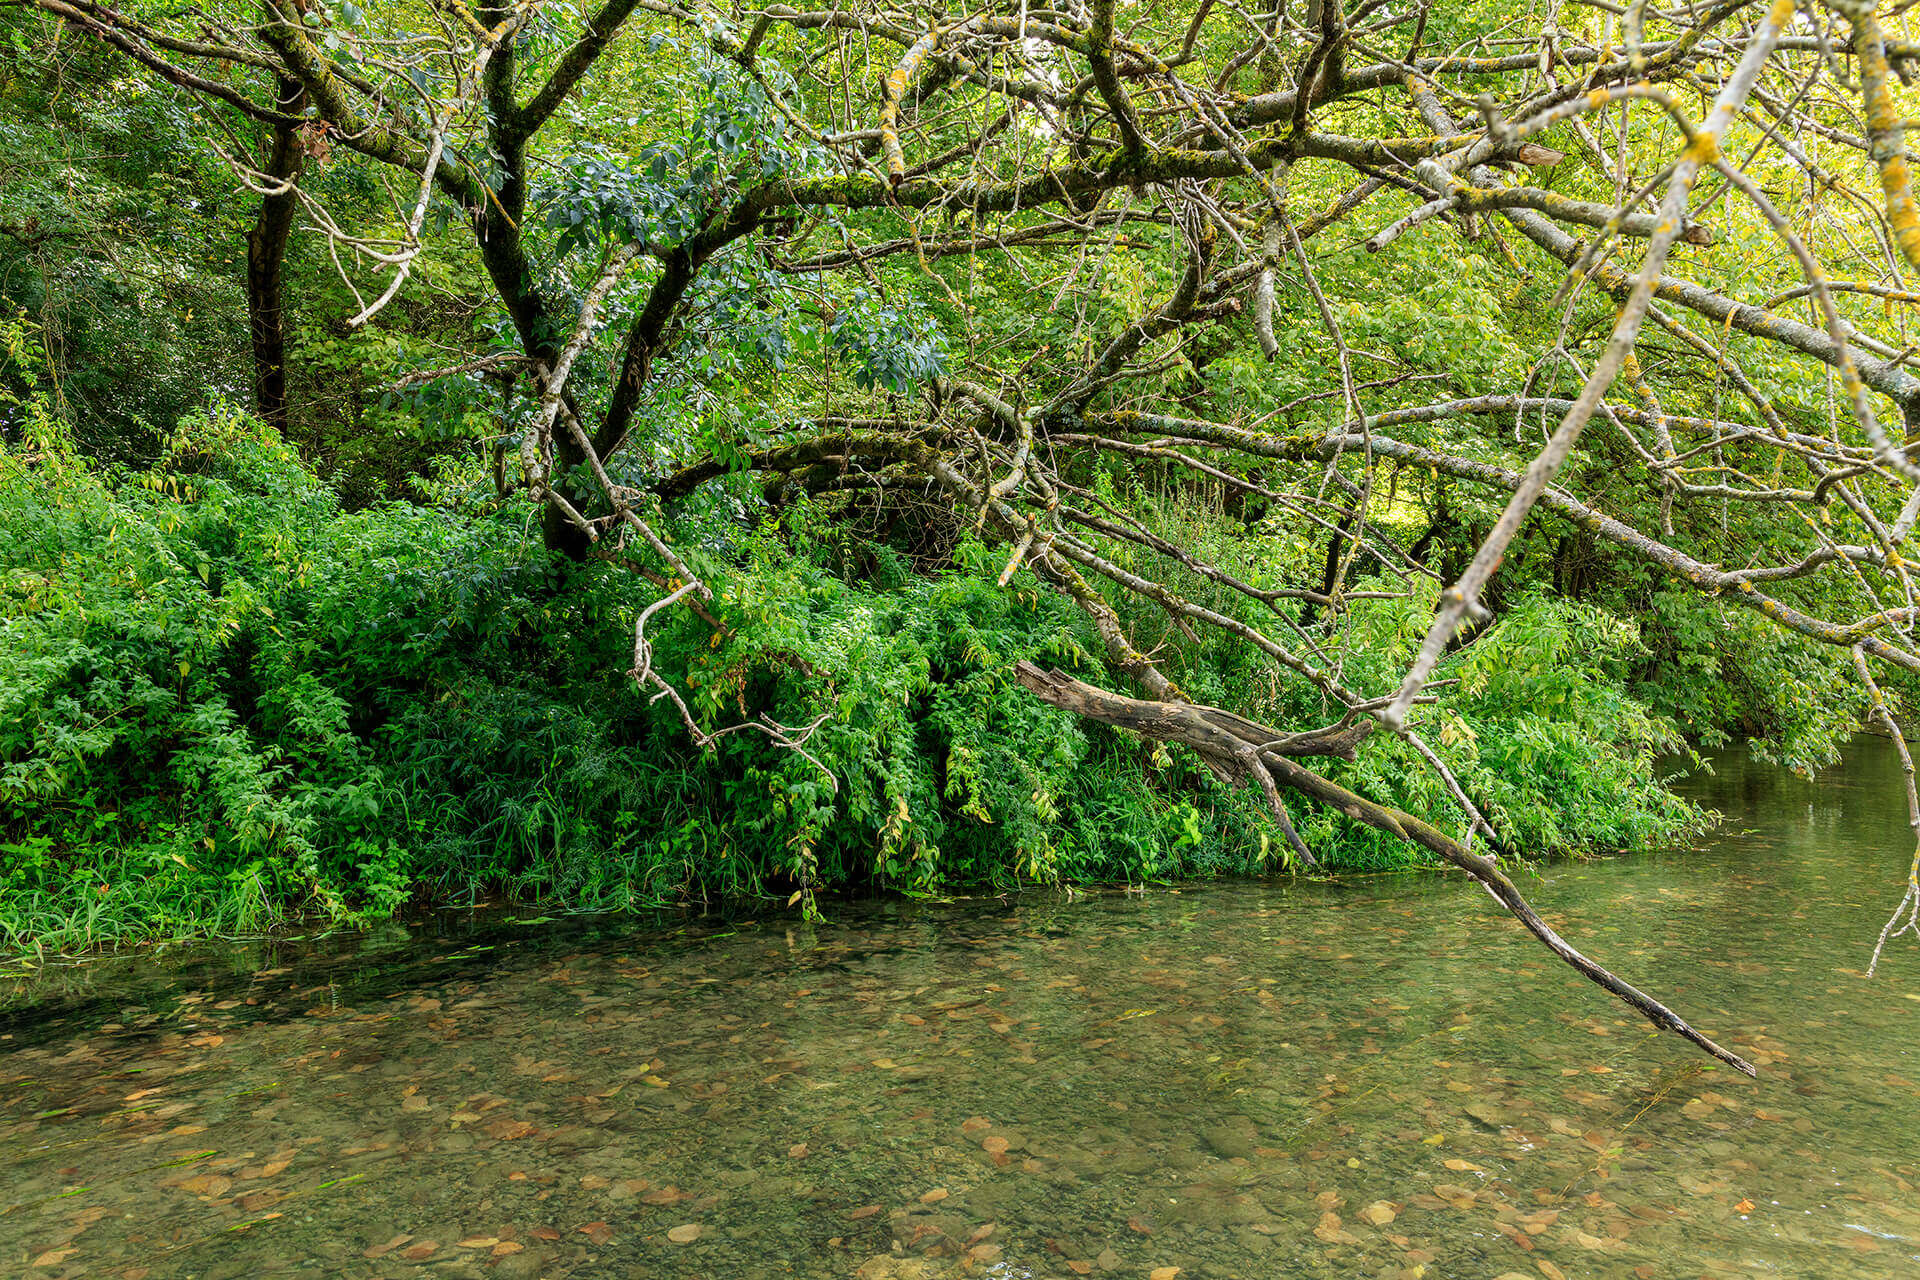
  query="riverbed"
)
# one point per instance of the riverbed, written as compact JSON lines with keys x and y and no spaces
{"x":1375,"y":1077}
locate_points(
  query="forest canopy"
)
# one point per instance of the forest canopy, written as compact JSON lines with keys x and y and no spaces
{"x":632,"y":453}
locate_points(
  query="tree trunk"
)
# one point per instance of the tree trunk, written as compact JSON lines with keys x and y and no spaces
{"x":266,"y":256}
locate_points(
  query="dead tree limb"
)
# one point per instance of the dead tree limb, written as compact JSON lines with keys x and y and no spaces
{"x":1239,"y":748}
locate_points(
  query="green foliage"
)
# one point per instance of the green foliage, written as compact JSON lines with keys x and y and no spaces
{"x":241,"y":681}
{"x":1721,"y":672}
{"x":1539,"y":720}
{"x":1546,"y":717}
{"x":223,"y":699}
{"x":117,"y":238}
{"x":670,"y":169}
{"x":131,"y":618}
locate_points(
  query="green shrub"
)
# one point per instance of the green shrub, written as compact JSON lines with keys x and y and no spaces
{"x":1720,"y":672}
{"x":225,"y":701}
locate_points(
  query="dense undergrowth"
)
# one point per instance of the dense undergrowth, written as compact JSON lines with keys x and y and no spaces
{"x":226,"y":700}
{"x":247,"y":678}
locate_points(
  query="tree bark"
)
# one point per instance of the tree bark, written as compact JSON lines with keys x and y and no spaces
{"x":266,"y":260}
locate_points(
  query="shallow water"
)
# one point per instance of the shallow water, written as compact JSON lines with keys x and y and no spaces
{"x":1362,"y":1079}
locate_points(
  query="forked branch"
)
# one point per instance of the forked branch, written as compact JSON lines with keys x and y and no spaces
{"x":1241,"y":748}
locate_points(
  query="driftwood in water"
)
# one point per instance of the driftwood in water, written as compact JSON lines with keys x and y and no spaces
{"x":1239,"y":748}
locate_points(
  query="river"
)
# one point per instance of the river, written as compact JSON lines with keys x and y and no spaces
{"x":1375,"y":1077}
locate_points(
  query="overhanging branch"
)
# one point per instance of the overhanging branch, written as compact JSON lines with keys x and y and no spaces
{"x":1241,"y":748}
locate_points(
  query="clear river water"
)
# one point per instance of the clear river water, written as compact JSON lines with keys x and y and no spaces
{"x":1374,"y":1077}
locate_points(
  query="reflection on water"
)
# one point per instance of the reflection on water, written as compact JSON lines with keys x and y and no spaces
{"x":1379,"y":1078}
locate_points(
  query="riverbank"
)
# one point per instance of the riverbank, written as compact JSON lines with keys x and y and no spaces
{"x":227,"y":703}
{"x":38,"y":973}
{"x":1316,"y":1079}
{"x":103,"y":914}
